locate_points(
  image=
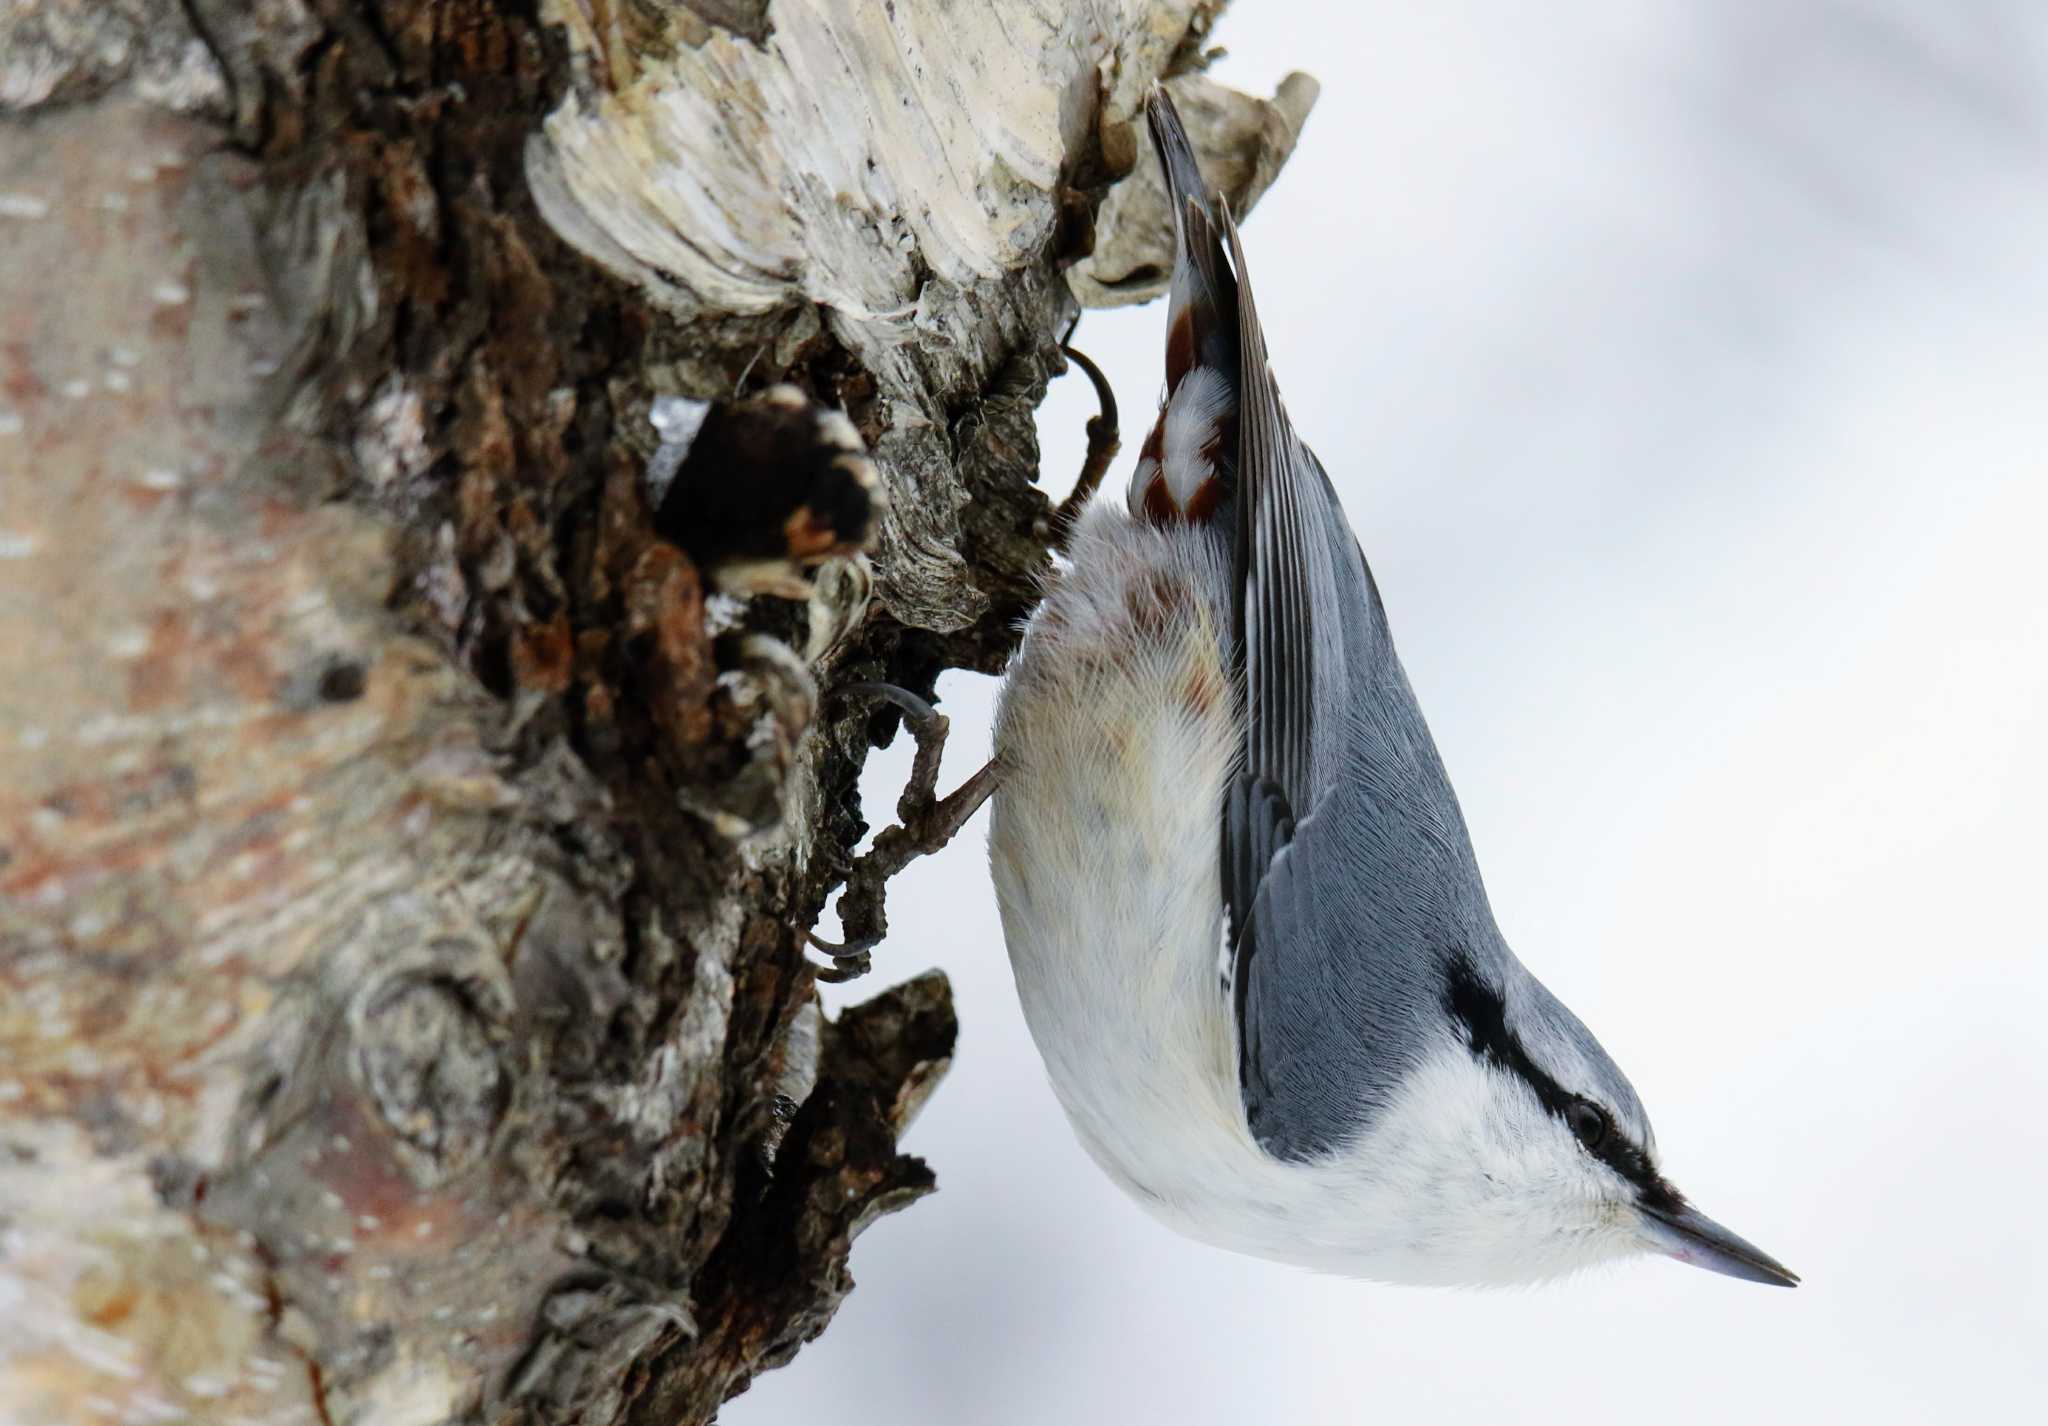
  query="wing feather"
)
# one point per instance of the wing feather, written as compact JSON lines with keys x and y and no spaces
{"x":1345,"y":869}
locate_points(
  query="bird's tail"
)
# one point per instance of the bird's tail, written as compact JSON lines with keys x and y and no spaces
{"x":1187,"y":468}
{"x":1202,"y":322}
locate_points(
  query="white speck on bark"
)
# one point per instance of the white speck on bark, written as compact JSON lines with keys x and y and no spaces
{"x":130,"y":641}
{"x":677,"y":419}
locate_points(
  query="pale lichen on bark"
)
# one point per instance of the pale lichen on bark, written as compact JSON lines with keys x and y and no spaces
{"x":404,"y":851}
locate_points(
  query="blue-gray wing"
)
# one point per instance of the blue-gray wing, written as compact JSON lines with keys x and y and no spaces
{"x":1346,"y":868}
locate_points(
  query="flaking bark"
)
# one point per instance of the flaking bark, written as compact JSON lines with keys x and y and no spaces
{"x":405,"y":847}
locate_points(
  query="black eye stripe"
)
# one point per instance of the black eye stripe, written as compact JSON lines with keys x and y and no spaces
{"x":1483,"y":1012}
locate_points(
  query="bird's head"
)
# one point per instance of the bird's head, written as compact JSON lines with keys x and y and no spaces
{"x":1541,"y":1155}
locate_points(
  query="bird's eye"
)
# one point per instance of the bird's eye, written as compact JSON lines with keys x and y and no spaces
{"x":1588,"y":1122}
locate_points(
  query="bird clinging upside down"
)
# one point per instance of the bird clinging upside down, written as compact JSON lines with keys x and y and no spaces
{"x":1248,"y":930}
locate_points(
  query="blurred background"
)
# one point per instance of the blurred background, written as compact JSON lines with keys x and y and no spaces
{"x":1684,"y":369}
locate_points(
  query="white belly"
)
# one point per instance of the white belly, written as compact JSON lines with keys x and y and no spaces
{"x":1115,"y":734}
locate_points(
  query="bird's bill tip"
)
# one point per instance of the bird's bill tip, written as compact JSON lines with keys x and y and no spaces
{"x":1690,"y":1236}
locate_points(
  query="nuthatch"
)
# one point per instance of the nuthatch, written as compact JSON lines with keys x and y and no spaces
{"x":1247,"y":927}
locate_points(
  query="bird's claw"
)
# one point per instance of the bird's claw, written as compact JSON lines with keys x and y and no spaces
{"x":850,"y":960}
{"x":1103,"y":444}
{"x":926,"y":823}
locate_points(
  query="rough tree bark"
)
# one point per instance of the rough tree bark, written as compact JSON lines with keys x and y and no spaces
{"x":406,"y":839}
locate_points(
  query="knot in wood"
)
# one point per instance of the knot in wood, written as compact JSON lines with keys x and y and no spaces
{"x":426,"y":1058}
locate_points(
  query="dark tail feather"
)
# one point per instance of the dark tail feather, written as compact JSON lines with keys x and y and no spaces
{"x":1177,"y":154}
{"x":1202,"y":325}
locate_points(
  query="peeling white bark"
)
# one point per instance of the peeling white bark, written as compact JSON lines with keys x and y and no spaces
{"x":860,"y":145}
{"x":899,"y":166}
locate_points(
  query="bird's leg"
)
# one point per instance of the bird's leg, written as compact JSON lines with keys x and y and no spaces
{"x":926,"y":822}
{"x":1103,"y":442}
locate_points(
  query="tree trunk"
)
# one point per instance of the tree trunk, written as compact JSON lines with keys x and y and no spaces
{"x":410,"y":816}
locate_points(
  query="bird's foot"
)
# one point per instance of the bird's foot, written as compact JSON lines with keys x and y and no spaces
{"x":925,"y":823}
{"x":1103,"y":443}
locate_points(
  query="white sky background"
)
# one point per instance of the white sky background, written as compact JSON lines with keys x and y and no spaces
{"x":1684,"y":369}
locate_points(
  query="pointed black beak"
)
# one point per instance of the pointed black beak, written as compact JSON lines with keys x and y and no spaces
{"x":1692,"y":1237}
